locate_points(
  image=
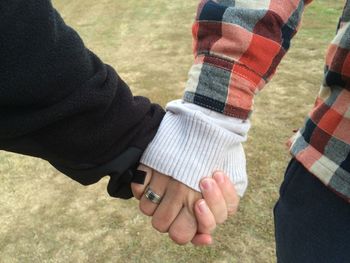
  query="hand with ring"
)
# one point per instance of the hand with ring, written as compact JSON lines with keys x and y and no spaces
{"x":185,"y":214}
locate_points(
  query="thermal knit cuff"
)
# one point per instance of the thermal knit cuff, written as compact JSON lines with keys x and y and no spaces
{"x":188,"y":147}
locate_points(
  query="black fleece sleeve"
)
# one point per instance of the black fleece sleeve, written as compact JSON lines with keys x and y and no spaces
{"x":60,"y":102}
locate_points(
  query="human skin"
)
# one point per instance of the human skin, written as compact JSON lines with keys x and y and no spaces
{"x":185,"y":214}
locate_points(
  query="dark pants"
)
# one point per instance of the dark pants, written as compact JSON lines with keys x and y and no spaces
{"x":312,"y":224}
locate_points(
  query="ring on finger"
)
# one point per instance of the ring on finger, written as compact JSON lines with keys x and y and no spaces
{"x":152,"y":196}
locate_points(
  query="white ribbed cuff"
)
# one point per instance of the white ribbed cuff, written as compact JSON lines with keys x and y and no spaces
{"x":187,"y":147}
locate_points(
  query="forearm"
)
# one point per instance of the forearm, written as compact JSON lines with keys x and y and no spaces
{"x":237,"y":49}
{"x":59,"y":101}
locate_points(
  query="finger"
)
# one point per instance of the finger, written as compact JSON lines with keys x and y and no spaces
{"x":202,"y":240}
{"x":158,"y":185}
{"x":228,"y":191}
{"x":205,"y":224}
{"x":214,"y":199}
{"x":169,"y":207}
{"x":205,"y":218}
{"x":184,"y":227}
{"x":139,"y":189}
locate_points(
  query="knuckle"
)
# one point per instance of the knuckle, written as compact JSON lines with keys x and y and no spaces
{"x":232,"y":209}
{"x":159,"y":225}
{"x":145,"y":209}
{"x":209,"y":226}
{"x":137,"y":191}
{"x":179,"y":238}
{"x":178,"y":188}
{"x":206,"y":224}
{"x":221,"y":219}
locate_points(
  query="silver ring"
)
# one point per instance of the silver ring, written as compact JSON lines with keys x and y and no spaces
{"x":152,"y":196}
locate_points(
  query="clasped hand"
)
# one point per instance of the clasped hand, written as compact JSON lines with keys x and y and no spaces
{"x":185,"y":214}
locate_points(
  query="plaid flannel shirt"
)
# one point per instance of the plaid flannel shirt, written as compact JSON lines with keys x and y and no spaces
{"x":238,"y":46}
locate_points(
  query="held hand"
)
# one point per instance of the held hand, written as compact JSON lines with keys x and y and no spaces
{"x":182,"y":213}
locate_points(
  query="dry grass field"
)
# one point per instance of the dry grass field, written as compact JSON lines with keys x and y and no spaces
{"x":46,"y":217}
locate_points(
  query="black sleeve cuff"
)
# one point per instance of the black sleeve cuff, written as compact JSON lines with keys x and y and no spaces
{"x":122,"y":171}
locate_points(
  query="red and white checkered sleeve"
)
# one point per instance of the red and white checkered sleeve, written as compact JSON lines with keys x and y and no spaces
{"x":238,"y":46}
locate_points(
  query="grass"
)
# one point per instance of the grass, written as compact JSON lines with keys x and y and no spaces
{"x":46,"y":217}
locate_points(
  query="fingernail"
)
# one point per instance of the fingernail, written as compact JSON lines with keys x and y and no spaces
{"x":207,"y":184}
{"x":203,"y":208}
{"x":219,"y":177}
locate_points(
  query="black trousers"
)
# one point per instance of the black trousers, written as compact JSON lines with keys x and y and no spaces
{"x":312,"y":223}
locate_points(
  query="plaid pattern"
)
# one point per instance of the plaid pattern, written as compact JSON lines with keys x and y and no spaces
{"x":323,"y":144}
{"x":238,"y":46}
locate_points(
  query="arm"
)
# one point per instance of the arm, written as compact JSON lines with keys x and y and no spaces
{"x":60,"y":102}
{"x":237,"y":49}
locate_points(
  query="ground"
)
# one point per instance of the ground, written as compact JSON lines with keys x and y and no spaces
{"x":46,"y":217}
